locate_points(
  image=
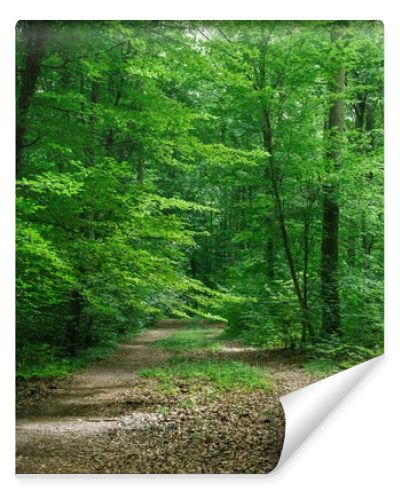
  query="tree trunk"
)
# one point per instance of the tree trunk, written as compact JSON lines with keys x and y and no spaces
{"x":330,"y":215}
{"x":272,"y":173}
{"x":77,"y":322}
{"x":359,"y":109}
{"x":34,"y":36}
{"x":306,"y":249}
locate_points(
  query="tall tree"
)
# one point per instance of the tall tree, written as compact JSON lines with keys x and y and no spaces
{"x":179,"y":169}
{"x":34,"y":36}
{"x":330,"y":215}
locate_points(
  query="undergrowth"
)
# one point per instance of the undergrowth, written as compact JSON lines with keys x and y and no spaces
{"x":41,"y":361}
{"x":220,"y":375}
{"x":334,"y":355}
{"x":255,"y":338}
{"x":193,"y":339}
{"x":321,"y":367}
{"x":322,"y":358}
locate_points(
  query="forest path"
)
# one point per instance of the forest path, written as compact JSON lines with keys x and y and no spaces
{"x":108,"y":419}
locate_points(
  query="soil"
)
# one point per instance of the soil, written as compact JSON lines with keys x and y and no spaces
{"x":108,"y":419}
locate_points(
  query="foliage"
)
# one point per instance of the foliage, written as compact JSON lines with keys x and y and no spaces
{"x":161,"y":164}
{"x":37,"y":360}
{"x":331,"y":356}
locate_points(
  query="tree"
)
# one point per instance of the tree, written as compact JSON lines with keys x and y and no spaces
{"x":33,"y":44}
{"x":185,"y":169}
{"x":330,"y":217}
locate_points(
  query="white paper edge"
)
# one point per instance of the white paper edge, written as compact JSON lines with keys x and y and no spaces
{"x":306,"y":408}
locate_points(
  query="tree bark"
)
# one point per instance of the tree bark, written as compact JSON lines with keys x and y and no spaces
{"x":330,"y":216}
{"x":34,"y":36}
{"x":272,"y":173}
{"x":306,"y":249}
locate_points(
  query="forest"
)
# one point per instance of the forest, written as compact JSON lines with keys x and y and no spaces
{"x":224,"y":171}
{"x":199,"y":231}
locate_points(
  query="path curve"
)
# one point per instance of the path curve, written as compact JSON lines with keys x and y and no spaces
{"x":107,"y":419}
{"x":91,"y":401}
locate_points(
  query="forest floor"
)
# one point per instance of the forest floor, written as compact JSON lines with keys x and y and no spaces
{"x":213,"y":408}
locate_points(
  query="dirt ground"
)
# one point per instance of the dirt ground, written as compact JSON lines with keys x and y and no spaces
{"x":107,"y":419}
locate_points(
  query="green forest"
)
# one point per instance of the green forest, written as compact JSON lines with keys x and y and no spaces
{"x":229,"y":172}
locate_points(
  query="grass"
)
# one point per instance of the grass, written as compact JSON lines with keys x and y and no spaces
{"x":191,"y":339}
{"x":220,"y":375}
{"x":322,"y":367}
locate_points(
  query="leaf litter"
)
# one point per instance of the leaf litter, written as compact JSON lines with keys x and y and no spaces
{"x":108,"y":419}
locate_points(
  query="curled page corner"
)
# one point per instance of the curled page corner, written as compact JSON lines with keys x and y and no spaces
{"x":306,"y":408}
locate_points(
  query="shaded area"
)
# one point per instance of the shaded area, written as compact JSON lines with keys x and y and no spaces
{"x":108,"y":419}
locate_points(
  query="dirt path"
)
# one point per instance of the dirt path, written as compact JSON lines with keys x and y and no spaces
{"x":107,"y":419}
